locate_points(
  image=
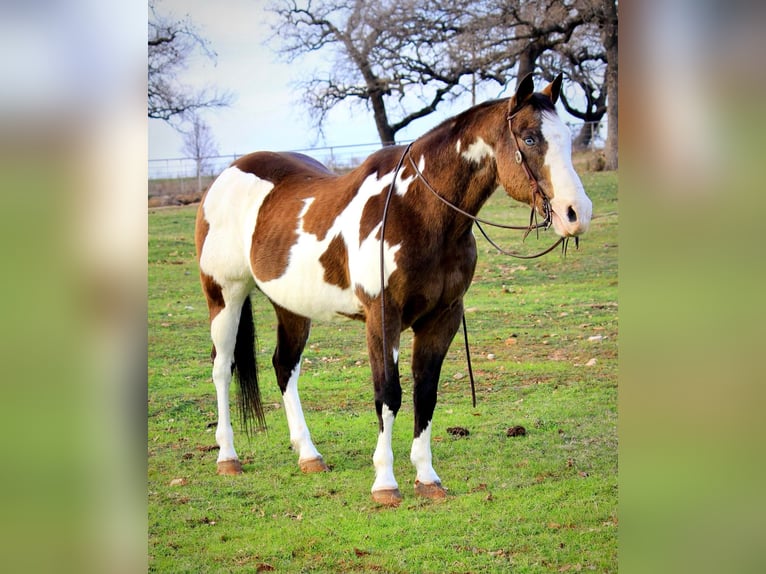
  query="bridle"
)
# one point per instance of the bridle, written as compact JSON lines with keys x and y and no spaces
{"x":536,"y":192}
{"x":533,"y":225}
{"x":520,"y":159}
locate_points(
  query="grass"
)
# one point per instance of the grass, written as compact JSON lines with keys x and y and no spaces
{"x":544,"y":346}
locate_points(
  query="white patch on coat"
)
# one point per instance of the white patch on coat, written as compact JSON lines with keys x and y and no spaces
{"x":420,"y":455}
{"x":302,"y":289}
{"x":477,"y":151}
{"x":300,"y":438}
{"x":458,"y":145}
{"x":383,"y":459}
{"x":231,"y":208}
{"x":568,"y":191}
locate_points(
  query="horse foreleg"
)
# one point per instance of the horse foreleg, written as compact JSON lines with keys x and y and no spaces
{"x":433,"y":336}
{"x":292,"y":334}
{"x":388,"y":399}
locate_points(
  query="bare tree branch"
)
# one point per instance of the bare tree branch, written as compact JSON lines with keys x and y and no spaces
{"x":170,"y":44}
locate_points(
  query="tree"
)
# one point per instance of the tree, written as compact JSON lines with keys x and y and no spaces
{"x":403,"y":58}
{"x":609,"y":40}
{"x":583,"y":62}
{"x":198,"y":144}
{"x":533,"y":27}
{"x":385,"y":52}
{"x":171,"y":44}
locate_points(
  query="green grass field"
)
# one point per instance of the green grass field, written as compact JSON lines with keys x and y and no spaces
{"x":544,"y":346}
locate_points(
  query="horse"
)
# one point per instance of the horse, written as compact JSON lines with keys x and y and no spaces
{"x":389,"y":244}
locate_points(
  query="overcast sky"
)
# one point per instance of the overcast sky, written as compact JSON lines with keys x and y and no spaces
{"x":266,"y":112}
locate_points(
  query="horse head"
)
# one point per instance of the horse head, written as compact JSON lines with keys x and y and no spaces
{"x":535,"y":161}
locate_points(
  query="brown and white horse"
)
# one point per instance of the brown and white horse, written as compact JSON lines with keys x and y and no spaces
{"x":311,"y":242}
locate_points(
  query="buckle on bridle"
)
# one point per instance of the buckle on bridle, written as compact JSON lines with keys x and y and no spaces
{"x":518,"y":157}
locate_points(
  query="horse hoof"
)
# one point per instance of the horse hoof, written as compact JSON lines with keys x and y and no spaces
{"x":229,"y":467}
{"x":388,"y":497}
{"x":313,"y":465}
{"x":434,"y":491}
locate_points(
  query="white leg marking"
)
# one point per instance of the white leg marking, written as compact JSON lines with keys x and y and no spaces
{"x":223,"y":330}
{"x":300,"y":437}
{"x":383,"y":459}
{"x":420,"y":455}
{"x":396,"y":356}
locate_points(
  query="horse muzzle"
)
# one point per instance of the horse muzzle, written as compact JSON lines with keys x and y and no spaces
{"x":571,"y":218}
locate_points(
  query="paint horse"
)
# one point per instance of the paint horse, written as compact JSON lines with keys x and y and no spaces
{"x":311,"y":242}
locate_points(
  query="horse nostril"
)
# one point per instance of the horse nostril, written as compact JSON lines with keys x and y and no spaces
{"x":571,"y":215}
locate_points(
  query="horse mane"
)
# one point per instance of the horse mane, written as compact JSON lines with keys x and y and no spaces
{"x":462,"y":121}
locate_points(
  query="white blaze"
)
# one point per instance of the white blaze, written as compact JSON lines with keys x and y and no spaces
{"x":568,"y":192}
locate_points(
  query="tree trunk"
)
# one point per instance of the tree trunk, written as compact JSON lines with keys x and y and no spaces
{"x":527,"y":60}
{"x":385,"y":132}
{"x":376,"y":93}
{"x":610,"y":45}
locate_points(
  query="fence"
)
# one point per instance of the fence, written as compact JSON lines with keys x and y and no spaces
{"x":334,"y":157}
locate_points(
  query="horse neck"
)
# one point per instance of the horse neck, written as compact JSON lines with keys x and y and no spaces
{"x":458,"y":161}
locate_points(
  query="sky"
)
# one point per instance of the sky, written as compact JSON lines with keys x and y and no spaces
{"x":266,"y":112}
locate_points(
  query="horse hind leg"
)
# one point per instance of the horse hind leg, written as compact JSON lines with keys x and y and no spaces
{"x":226,"y":307}
{"x":292,"y":334}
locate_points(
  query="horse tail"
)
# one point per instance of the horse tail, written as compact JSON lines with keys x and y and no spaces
{"x":246,"y":371}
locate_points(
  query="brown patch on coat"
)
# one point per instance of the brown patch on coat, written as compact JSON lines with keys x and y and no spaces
{"x":275,"y":234}
{"x":213,"y":293}
{"x":201,"y":227}
{"x":335,"y":263}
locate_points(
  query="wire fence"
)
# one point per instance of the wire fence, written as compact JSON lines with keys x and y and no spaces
{"x":334,"y":157}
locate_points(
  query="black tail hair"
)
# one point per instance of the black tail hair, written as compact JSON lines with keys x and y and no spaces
{"x":246,"y":371}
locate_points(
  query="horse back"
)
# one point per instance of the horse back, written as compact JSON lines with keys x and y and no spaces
{"x":278,"y":166}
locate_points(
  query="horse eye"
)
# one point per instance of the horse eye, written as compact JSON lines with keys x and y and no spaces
{"x":530,"y":141}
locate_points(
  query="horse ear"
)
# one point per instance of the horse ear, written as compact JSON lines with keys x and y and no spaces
{"x":553,"y":89}
{"x":525,"y":89}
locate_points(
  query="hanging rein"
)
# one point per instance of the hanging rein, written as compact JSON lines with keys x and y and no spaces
{"x":533,"y":225}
